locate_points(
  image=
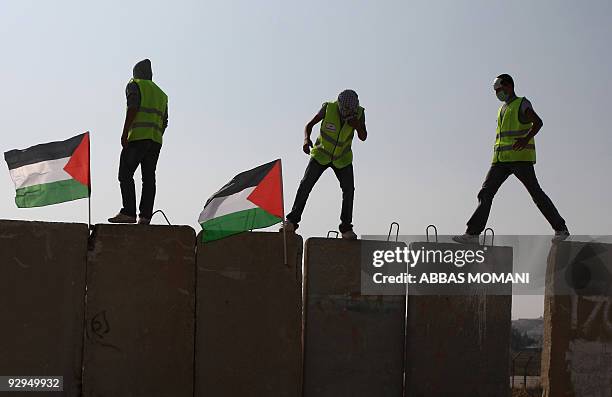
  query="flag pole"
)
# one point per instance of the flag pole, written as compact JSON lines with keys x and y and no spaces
{"x":89,"y":211}
{"x":283,"y":201}
{"x":89,"y":180}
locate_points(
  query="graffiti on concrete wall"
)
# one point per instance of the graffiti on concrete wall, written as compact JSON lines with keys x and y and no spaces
{"x":97,"y":330}
{"x":601,"y":310}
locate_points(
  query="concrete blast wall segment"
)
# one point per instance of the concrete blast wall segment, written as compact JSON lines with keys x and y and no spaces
{"x":249,"y":317}
{"x":458,"y":345}
{"x":577,"y":352}
{"x":353,"y":344}
{"x":42,"y":290}
{"x":140,"y":311}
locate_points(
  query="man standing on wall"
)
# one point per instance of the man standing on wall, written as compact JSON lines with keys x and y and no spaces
{"x":332,"y":149}
{"x":146,"y":120}
{"x":514,"y":153}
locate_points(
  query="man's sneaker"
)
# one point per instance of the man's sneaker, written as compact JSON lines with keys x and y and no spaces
{"x":466,"y":238}
{"x":143,"y":221}
{"x":122,"y":218}
{"x":349,"y":235}
{"x":561,"y":235}
{"x":287,"y":226}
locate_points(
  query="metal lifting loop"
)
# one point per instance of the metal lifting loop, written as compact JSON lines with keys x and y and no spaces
{"x":333,"y":231}
{"x":484,"y":236}
{"x":396,"y":232}
{"x":435,"y":231}
{"x":164,"y":215}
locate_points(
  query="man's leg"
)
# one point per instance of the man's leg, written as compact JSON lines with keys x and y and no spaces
{"x":526,"y":174}
{"x":147,"y":168}
{"x":131,"y":156}
{"x":347,"y":184}
{"x":497,"y":174}
{"x":311,"y":176}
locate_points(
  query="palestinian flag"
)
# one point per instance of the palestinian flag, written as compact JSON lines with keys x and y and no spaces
{"x":251,"y":200}
{"x":50,"y":173}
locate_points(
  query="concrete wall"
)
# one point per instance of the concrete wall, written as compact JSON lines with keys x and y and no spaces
{"x":353,"y":343}
{"x":42,"y":284}
{"x":140,"y":311}
{"x":577,"y":352}
{"x":148,"y":309}
{"x":458,"y":345}
{"x":248,"y":334}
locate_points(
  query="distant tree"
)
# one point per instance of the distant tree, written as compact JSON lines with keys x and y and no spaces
{"x":520,"y":340}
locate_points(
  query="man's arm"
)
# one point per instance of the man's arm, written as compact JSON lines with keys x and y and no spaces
{"x":130,"y":115}
{"x":132,"y":94}
{"x":359,"y":125}
{"x":308,"y":129}
{"x":532,"y":117}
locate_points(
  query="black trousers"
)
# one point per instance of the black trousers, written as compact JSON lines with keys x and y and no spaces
{"x":314,"y":170}
{"x":498,"y":173}
{"x":144,"y":153}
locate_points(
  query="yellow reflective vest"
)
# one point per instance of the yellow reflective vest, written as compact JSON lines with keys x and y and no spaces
{"x":334,"y":142}
{"x":509,"y":127}
{"x":149,"y":121}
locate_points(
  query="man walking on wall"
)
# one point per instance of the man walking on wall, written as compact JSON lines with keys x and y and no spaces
{"x":514,"y":153}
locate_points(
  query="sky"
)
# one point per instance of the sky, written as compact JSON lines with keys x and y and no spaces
{"x":244,"y":77}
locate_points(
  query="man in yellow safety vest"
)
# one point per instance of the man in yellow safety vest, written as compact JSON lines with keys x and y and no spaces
{"x":513,"y":153}
{"x":146,"y":120}
{"x":332,"y":149}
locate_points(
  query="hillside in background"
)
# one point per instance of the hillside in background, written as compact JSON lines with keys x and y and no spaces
{"x":527,"y":332}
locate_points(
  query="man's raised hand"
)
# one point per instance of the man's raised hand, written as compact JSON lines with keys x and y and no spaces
{"x":307,"y":145}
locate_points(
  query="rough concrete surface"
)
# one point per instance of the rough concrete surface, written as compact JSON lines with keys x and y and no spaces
{"x":140,"y":311}
{"x":249,"y":317}
{"x":458,"y":345}
{"x":42,"y":290}
{"x":353,"y":343}
{"x":577,"y":351}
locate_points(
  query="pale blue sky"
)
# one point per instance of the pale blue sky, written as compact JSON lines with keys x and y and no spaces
{"x":244,"y":77}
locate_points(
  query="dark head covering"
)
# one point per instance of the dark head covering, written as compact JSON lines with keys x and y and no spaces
{"x":348,"y":102}
{"x":142,"y":70}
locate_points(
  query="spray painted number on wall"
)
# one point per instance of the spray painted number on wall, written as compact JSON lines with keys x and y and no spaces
{"x":602,"y":306}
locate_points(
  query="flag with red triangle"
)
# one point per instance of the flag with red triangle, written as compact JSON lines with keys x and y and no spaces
{"x":253,"y":199}
{"x":51,"y":173}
